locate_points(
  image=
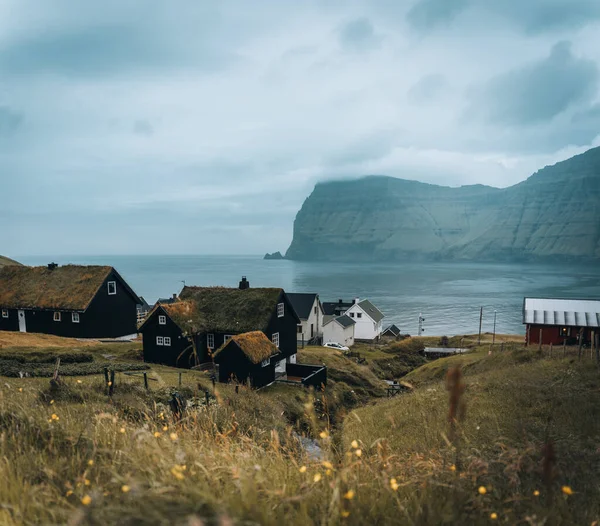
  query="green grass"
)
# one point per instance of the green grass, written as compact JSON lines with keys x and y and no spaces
{"x":239,"y":460}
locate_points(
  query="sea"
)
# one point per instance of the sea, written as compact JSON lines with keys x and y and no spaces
{"x":448,"y":296}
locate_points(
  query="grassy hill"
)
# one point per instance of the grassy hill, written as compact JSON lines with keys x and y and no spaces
{"x":7,"y":261}
{"x":73,"y":453}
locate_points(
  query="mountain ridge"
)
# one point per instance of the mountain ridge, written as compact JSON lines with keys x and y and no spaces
{"x":552,"y":215}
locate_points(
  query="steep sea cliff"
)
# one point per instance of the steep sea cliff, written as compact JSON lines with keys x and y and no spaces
{"x":553,"y":215}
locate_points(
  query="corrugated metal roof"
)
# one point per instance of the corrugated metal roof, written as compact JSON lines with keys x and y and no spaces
{"x":569,"y":313}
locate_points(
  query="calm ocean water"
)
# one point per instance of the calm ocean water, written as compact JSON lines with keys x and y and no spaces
{"x":448,"y":295}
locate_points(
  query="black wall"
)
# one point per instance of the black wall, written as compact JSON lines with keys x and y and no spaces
{"x":234,"y":366}
{"x":286,"y":326}
{"x":108,"y":316}
{"x":166,"y":355}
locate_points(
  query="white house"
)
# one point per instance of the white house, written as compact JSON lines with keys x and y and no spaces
{"x":310,"y":311}
{"x":368,"y":320}
{"x":339,"y":329}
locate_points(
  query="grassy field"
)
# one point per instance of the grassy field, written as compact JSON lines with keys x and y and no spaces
{"x":73,"y":454}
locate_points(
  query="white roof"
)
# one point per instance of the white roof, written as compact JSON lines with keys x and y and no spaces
{"x":570,"y":313}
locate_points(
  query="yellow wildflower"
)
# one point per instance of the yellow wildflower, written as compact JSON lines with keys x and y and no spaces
{"x":125,"y":488}
{"x":156,"y":434}
{"x":69,"y":493}
{"x":452,"y":467}
{"x":165,"y":428}
{"x":493,"y":516}
{"x":567,"y":490}
{"x":317,"y":477}
{"x":327,"y":464}
{"x":328,"y":472}
{"x":536,"y":493}
{"x":86,"y":501}
{"x":90,"y":462}
{"x":79,"y":381}
{"x":324,"y":434}
{"x":161,"y":415}
{"x":482,"y":490}
{"x":176,"y":472}
{"x":345,"y":514}
{"x":394,"y":484}
{"x":20,"y":389}
{"x":173,"y":436}
{"x":354,"y":444}
{"x":109,"y":384}
{"x":51,"y":402}
{"x":86,"y":482}
{"x":349,"y":495}
{"x":358,"y":453}
{"x":302,"y":469}
{"x":54,"y":416}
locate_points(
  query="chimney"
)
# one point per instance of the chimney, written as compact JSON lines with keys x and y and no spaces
{"x":340,"y":302}
{"x":356,"y":301}
{"x":174,"y":295}
{"x":244,"y":284}
{"x":52,"y":266}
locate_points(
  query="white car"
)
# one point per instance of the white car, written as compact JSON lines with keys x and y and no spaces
{"x":335,"y":345}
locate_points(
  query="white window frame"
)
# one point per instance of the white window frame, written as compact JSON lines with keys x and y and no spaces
{"x":160,"y":340}
{"x":75,"y":317}
{"x":275,"y":339}
{"x":167,"y":341}
{"x":265,"y":363}
{"x":114,"y":285}
{"x":280,"y":310}
{"x":359,"y":314}
{"x":57,"y":316}
{"x":210,"y":341}
{"x":4,"y":313}
{"x":162,"y":319}
{"x":352,"y":315}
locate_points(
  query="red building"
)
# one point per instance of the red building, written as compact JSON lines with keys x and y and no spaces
{"x":558,"y":320}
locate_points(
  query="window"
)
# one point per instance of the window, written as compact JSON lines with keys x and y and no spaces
{"x":75,"y":317}
{"x":359,"y":314}
{"x":280,"y":310}
{"x":167,"y":341}
{"x":57,"y":316}
{"x":162,"y":319}
{"x":160,"y":340}
{"x":299,"y":329}
{"x":315,"y":310}
{"x":112,"y":288}
{"x":275,"y":339}
{"x":352,"y":315}
{"x":4,"y":313}
{"x":227,"y":337}
{"x":265,"y":363}
{"x":210,"y":341}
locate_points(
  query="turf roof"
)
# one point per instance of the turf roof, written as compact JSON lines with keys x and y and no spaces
{"x":69,"y":287}
{"x":220,"y":309}
{"x":255,"y":345}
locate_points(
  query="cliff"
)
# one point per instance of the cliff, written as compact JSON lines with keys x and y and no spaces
{"x":553,"y":215}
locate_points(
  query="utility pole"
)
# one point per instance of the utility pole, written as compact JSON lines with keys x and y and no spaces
{"x":480,"y":320}
{"x":494,"y":336}
{"x":421,"y":320}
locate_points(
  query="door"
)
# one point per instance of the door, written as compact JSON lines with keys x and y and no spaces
{"x":22,"y":326}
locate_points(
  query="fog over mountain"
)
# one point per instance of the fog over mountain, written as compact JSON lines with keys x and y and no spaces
{"x":146,"y":127}
{"x":553,"y":215}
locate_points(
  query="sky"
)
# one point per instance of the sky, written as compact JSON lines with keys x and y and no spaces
{"x":197,"y":127}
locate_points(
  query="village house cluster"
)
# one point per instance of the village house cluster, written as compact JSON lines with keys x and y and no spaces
{"x":244,"y":334}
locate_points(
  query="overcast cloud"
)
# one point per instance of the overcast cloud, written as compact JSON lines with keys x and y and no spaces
{"x":201,"y":127}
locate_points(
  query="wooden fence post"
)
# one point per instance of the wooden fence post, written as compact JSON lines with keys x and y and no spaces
{"x":179,"y":379}
{"x":146,"y":380}
{"x":541,"y":336}
{"x":528,"y":335}
{"x":580,"y":344}
{"x":592,"y":344}
{"x":111,"y":384}
{"x":106,"y":380}
{"x":206,"y":396}
{"x":502,"y":347}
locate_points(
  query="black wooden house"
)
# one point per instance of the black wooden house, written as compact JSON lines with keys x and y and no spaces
{"x":188,"y":332}
{"x":248,"y":357}
{"x":72,"y":300}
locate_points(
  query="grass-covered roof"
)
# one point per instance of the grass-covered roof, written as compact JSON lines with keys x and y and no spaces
{"x":220,"y":309}
{"x":71,"y":287}
{"x":255,"y":345}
